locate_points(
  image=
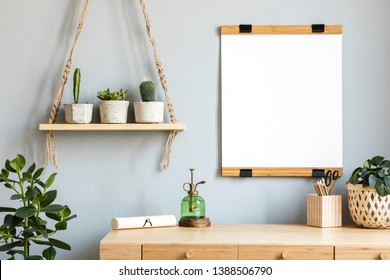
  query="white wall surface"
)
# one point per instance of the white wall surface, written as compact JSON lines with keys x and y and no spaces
{"x":115,"y":174}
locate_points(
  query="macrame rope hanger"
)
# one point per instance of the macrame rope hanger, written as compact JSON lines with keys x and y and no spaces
{"x":51,"y":149}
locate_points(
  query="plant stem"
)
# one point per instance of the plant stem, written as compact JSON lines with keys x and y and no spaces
{"x":26,"y":251}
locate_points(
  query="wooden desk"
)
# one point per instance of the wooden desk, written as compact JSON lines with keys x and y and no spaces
{"x":246,"y":242}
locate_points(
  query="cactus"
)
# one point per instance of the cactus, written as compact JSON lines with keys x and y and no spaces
{"x":76,"y":84}
{"x":147,"y":90}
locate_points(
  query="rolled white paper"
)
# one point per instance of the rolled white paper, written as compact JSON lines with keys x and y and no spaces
{"x":143,"y":222}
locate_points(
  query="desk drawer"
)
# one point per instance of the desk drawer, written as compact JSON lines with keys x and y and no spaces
{"x":272,"y":252}
{"x":120,"y":252}
{"x":189,"y":252}
{"x":362,"y":253}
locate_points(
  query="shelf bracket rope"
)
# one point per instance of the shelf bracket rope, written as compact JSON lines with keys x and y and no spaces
{"x":167,"y":150}
{"x":50,"y":147}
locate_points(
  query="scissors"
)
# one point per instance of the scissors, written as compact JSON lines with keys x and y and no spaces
{"x":330,"y":179}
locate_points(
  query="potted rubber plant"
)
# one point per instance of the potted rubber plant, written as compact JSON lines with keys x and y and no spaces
{"x":77,"y":112}
{"x":112,"y":106}
{"x":27,"y":225}
{"x":149,"y":110}
{"x":369,"y":193}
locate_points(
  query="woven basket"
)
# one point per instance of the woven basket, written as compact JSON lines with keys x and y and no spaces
{"x":367,"y":208}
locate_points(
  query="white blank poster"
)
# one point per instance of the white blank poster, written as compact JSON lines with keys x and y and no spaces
{"x":281,"y":100}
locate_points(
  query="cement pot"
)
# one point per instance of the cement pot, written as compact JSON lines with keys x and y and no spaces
{"x":149,"y":112}
{"x":78,"y":113}
{"x":113,"y":111}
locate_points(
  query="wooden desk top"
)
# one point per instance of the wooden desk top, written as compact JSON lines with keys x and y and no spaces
{"x":252,"y":234}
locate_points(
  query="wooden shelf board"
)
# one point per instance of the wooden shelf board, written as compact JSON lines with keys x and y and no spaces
{"x":111,"y":127}
{"x":277,"y":171}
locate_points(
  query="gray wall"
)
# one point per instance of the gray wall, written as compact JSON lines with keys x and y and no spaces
{"x":115,"y":174}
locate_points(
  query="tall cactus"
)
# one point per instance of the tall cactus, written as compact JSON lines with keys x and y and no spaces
{"x":76,"y":84}
{"x":147,"y":90}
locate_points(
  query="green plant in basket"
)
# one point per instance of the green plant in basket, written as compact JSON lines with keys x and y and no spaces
{"x":26,"y":225}
{"x":375,"y":173}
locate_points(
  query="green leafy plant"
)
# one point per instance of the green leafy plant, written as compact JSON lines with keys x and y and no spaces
{"x":25,"y":225}
{"x":115,"y":95}
{"x":375,"y":173}
{"x":76,"y":85}
{"x":147,"y":91}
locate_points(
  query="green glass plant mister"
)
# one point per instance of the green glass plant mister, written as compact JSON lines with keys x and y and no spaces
{"x":192,"y":206}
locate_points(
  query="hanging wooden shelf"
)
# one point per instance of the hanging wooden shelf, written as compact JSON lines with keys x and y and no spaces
{"x":111,"y":127}
{"x":51,"y":126}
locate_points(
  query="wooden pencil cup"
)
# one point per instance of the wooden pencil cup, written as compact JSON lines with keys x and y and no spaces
{"x":324,"y":211}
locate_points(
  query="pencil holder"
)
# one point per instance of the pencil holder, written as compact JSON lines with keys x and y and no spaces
{"x":324,"y":211}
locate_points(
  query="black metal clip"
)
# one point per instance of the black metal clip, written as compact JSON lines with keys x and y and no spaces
{"x":147,"y":221}
{"x":245,"y":28}
{"x":318,"y":173}
{"x":245,"y":172}
{"x":317,"y":28}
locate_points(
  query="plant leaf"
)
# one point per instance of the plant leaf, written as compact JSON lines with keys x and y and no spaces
{"x":60,"y":244}
{"x":66,"y":212}
{"x":15,"y":197}
{"x":31,"y":168}
{"x":4,"y":173}
{"x":10,"y":246}
{"x":372,"y":180}
{"x":8,"y":219}
{"x":381,"y":189}
{"x":18,"y":163}
{"x":42,"y":242}
{"x":49,"y":197}
{"x":382,"y":172}
{"x":26,"y":176}
{"x":8,"y":185}
{"x":54,"y":216}
{"x":31,"y":193}
{"x":70,"y":217}
{"x":377,"y":160}
{"x":38,"y":173}
{"x":42,"y":232}
{"x":41,"y":222}
{"x":49,"y":253}
{"x":16,"y":221}
{"x":26,"y":211}
{"x":387,"y":181}
{"x":385,"y":163}
{"x":54,"y":208}
{"x":28,"y":232}
{"x":354,"y":179}
{"x":7,"y":209}
{"x":50,"y":180}
{"x":9,"y":167}
{"x":63,"y":225}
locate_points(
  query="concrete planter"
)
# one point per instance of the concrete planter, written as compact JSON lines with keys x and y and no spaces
{"x":113,"y":111}
{"x":149,"y":112}
{"x":78,"y":113}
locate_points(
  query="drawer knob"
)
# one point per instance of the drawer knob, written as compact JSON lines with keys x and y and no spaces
{"x":285,"y":255}
{"x":189,"y":254}
{"x":384,"y":256}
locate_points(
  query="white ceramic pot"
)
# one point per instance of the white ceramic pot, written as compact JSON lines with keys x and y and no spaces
{"x":149,"y":112}
{"x":113,"y":111}
{"x":78,"y":113}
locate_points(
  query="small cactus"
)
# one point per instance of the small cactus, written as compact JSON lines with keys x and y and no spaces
{"x":147,"y":90}
{"x":76,"y":85}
